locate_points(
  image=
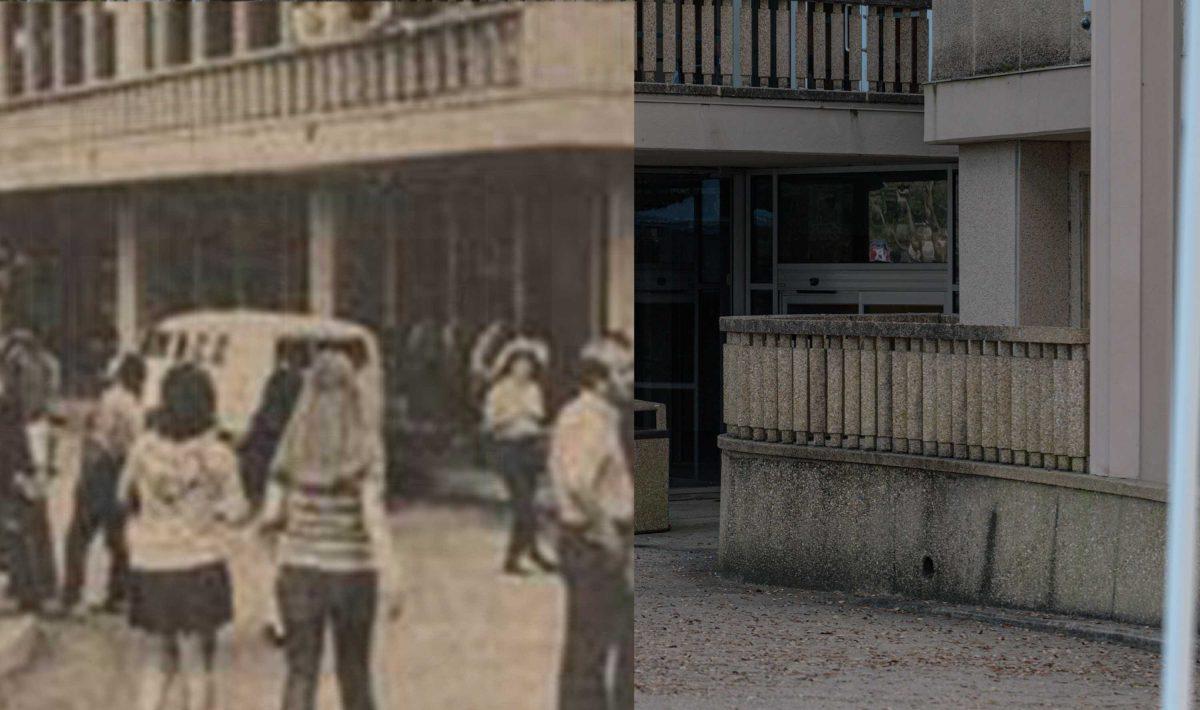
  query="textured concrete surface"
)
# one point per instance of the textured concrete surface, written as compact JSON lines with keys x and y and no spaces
{"x":19,"y":637}
{"x":705,"y":642}
{"x":801,"y":516}
{"x":651,"y":475}
{"x":979,"y":37}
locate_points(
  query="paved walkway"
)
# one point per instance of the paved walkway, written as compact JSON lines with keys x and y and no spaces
{"x":707,"y":642}
{"x":469,"y":637}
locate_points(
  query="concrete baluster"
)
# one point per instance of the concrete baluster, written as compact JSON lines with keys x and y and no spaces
{"x":988,"y":412}
{"x":728,"y":377}
{"x":768,"y":362}
{"x":834,"y":390}
{"x":944,"y":367}
{"x":974,"y":400}
{"x":1020,"y":378}
{"x":851,"y":395}
{"x":755,"y":391}
{"x":929,"y":408}
{"x":915,"y":396}
{"x":867,"y":387}
{"x":960,"y":398}
{"x":800,"y":392}
{"x":817,"y":389}
{"x":1076,"y":408}
{"x":1050,"y":410}
{"x":1003,"y":389}
{"x":900,"y":387}
{"x":883,"y":393}
{"x":783,"y":378}
{"x":1033,"y":405}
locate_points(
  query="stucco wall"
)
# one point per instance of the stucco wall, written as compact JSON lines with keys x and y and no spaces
{"x":979,"y":37}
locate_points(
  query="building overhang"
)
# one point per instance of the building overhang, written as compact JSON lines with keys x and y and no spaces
{"x":762,"y":129}
{"x":1046,"y":104}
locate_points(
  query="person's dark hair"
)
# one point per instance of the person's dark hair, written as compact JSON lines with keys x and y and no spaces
{"x":592,"y":373}
{"x":189,"y":403}
{"x":131,"y":374}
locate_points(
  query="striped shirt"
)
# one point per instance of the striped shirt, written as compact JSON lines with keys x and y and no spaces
{"x":331,"y":527}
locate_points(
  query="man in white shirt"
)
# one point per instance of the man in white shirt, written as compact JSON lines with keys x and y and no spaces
{"x":593,"y":486}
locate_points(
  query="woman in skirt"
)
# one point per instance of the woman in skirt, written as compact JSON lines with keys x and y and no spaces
{"x":514,"y":416}
{"x":182,"y":482}
{"x":325,"y":500}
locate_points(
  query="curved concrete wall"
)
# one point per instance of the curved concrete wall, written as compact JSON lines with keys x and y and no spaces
{"x":964,"y":531}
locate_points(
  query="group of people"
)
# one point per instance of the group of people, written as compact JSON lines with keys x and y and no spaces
{"x":587,"y":459}
{"x":163,"y":487}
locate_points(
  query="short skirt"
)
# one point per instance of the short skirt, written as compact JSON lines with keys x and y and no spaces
{"x":192,"y":600}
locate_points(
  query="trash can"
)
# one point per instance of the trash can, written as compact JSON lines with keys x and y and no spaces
{"x":651,"y":467}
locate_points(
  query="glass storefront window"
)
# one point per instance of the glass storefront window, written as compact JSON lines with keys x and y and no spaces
{"x":762,"y":217}
{"x":853,"y":218}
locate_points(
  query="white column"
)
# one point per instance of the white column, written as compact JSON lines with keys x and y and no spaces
{"x":240,"y":21}
{"x":1134,"y":72}
{"x":199,"y":27}
{"x":619,"y":310}
{"x":58,"y":43}
{"x":287,"y":32}
{"x":33,"y":63}
{"x":5,"y":87}
{"x":160,"y":19}
{"x":322,"y":251}
{"x":130,"y":19}
{"x":89,"y":22}
{"x":451,"y":239}
{"x":128,"y":286}
{"x":519,"y":227}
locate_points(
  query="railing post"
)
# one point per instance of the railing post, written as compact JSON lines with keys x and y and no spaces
{"x":793,"y":8}
{"x":929,"y":44}
{"x":89,"y":23}
{"x":199,"y":27}
{"x":736,"y":69}
{"x":58,"y":44}
{"x":864,"y":82}
{"x":5,"y":49}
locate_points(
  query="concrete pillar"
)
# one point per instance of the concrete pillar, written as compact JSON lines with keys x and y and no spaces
{"x":287,"y":31}
{"x":130,"y":19}
{"x":1014,"y":233}
{"x":33,"y":64}
{"x":391,"y":249}
{"x":240,"y":19}
{"x":5,"y":49}
{"x":89,"y":17}
{"x":58,"y":44}
{"x":199,"y":28}
{"x":520,"y":226}
{"x":128,"y":285}
{"x":323,"y":208}
{"x":1135,"y":51}
{"x":619,"y":259}
{"x":161,"y":31}
{"x":450,"y":230}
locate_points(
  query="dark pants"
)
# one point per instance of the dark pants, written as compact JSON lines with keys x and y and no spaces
{"x":309,"y":599}
{"x":96,"y":510}
{"x":30,"y":555}
{"x":599,"y":625}
{"x":519,"y":462}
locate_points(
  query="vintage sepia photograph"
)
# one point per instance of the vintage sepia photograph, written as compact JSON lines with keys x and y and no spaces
{"x":316,"y":357}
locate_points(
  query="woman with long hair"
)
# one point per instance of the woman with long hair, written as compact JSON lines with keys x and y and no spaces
{"x":514,"y":420}
{"x":325,"y":499}
{"x":182,"y":484}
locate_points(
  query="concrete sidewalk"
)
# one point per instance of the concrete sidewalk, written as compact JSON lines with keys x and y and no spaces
{"x":704,"y":641}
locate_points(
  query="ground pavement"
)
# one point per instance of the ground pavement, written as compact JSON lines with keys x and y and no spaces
{"x":704,"y":642}
{"x":469,"y":637}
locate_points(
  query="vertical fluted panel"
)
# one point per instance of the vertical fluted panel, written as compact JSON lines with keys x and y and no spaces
{"x":867,"y":407}
{"x":1003,"y":389}
{"x":1077,"y":408}
{"x":883,"y":394}
{"x":727,"y":378}
{"x":1020,"y":379}
{"x":988,"y":411}
{"x":833,"y":391}
{"x":745,"y":393}
{"x":800,"y":396}
{"x":783,"y":378}
{"x":768,"y":356}
{"x":915,"y":396}
{"x":1062,"y":394}
{"x":974,"y":401}
{"x":929,"y":402}
{"x":1033,"y":404}
{"x":1049,"y":412}
{"x":959,"y":395}
{"x":851,"y":397}
{"x":900,"y":404}
{"x":944,"y":369}
{"x":817,"y":389}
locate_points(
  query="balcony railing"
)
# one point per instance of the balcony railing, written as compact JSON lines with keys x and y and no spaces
{"x":458,"y":54}
{"x":867,"y":46}
{"x":920,"y":385}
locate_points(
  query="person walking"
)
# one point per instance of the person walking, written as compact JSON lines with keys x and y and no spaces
{"x":325,"y":502}
{"x":115,"y":426}
{"x":181,"y":481}
{"x":514,"y":420}
{"x":593,"y":486}
{"x":270,"y":419}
